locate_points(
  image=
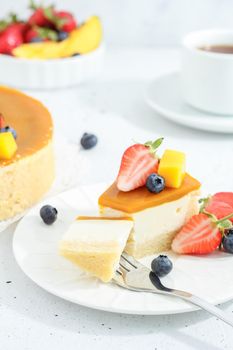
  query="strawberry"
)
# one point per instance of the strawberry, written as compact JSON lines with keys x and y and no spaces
{"x":219,"y":209}
{"x":138,"y":162}
{"x":202,"y":234}
{"x":38,"y":18}
{"x":226,"y":197}
{"x":41,"y":16}
{"x":11,"y":38}
{"x":37,"y":34}
{"x":1,"y":121}
{"x":220,"y":204}
{"x":65,"y":21}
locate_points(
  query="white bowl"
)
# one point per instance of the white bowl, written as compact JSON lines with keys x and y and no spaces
{"x":53,"y":73}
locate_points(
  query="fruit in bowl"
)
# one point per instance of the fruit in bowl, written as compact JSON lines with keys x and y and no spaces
{"x":49,"y":34}
{"x":50,"y":49}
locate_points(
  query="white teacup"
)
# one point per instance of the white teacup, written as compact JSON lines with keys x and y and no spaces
{"x":207,"y":77}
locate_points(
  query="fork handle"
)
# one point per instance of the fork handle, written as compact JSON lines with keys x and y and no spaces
{"x":205,"y":305}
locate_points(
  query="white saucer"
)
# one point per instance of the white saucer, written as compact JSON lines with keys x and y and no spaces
{"x":164,"y":96}
{"x":35,"y":247}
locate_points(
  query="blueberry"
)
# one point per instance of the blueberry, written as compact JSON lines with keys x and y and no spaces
{"x":9,"y":129}
{"x":62,"y":36}
{"x":227,"y":240}
{"x":37,"y":39}
{"x":155,"y":183}
{"x":48,"y":214}
{"x":161,"y":265}
{"x":88,"y":141}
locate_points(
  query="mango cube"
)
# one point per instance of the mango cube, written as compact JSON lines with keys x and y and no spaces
{"x":172,"y":168}
{"x":8,"y":145}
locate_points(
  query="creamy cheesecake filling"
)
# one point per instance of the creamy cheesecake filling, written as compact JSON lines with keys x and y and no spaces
{"x":95,"y":244}
{"x":154,"y":228}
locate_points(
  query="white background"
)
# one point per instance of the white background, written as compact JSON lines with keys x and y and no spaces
{"x":143,"y":22}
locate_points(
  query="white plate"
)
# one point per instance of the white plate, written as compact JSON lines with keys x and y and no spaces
{"x":49,"y":74}
{"x":35,"y":250}
{"x":165,"y":97}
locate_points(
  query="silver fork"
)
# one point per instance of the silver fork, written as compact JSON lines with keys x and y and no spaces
{"x":135,"y":276}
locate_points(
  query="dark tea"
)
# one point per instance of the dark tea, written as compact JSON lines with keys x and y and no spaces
{"x":218,"y":48}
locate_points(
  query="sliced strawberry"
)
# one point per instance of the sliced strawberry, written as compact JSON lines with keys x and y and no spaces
{"x":138,"y":162}
{"x":200,"y":235}
{"x":226,"y":197}
{"x":219,"y":209}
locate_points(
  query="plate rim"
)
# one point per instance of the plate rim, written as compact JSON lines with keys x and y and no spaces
{"x":197,"y":122}
{"x":186,"y":307}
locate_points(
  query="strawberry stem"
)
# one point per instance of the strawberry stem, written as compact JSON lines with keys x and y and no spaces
{"x":32,"y":5}
{"x":225,"y":218}
{"x":203,"y":202}
{"x":154,"y":145}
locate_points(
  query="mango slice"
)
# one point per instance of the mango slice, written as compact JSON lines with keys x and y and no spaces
{"x":82,"y":40}
{"x":85,"y":38}
{"x":172,"y":168}
{"x":8,"y":145}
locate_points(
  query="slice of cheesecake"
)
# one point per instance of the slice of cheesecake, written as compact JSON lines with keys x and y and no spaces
{"x":157,"y":217}
{"x":96,"y":243}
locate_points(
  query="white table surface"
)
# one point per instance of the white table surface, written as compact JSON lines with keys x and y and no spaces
{"x":113,"y":107}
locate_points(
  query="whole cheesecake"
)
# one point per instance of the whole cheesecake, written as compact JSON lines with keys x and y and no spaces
{"x":28,"y":175}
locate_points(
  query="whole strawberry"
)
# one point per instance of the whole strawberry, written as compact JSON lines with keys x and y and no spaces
{"x":138,"y":162}
{"x":41,"y":16}
{"x":65,"y":21}
{"x":11,"y":38}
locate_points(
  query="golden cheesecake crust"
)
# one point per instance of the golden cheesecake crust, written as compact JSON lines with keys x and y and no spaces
{"x":29,"y":174}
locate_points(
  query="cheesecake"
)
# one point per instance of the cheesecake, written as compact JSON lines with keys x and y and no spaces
{"x":29,"y":173}
{"x":157,"y":217}
{"x":96,"y":243}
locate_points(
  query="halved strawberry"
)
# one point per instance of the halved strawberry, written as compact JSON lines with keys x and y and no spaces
{"x":220,"y":204}
{"x":226,"y":197}
{"x":200,"y":235}
{"x":138,"y":162}
{"x":219,"y":209}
